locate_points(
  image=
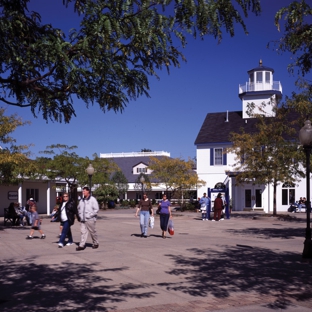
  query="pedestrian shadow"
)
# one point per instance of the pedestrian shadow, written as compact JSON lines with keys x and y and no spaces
{"x":242,"y":268}
{"x":27,"y":286}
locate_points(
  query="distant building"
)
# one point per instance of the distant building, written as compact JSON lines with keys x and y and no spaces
{"x":215,"y":165}
{"x":134,"y":164}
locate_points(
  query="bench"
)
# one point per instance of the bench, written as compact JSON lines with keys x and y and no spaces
{"x":7,"y":217}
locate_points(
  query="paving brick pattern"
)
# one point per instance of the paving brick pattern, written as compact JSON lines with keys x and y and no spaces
{"x":250,"y":262}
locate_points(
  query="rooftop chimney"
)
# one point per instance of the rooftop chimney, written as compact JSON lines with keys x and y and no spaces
{"x":227,"y":116}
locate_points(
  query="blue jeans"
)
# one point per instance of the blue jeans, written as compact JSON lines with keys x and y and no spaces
{"x":29,"y":218}
{"x":144,"y":219}
{"x":66,"y":231}
{"x":164,"y":219}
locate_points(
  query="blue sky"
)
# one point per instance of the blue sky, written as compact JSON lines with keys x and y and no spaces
{"x":171,"y":119}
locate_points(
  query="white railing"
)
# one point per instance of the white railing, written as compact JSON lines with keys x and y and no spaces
{"x":260,"y":86}
{"x":134,"y":154}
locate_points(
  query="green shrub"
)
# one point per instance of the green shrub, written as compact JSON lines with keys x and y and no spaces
{"x":188,"y":206}
{"x":124,"y":203}
{"x":133,"y":203}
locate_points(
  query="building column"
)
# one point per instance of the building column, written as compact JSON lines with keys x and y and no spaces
{"x":20,"y":193}
{"x":48,"y":197}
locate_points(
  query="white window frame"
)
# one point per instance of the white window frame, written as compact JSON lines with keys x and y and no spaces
{"x":218,"y":159}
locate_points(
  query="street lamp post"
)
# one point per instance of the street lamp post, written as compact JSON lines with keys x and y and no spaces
{"x":142,"y":180}
{"x":305,"y":137}
{"x":90,"y":171}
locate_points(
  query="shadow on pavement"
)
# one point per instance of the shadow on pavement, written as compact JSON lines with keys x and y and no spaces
{"x":68,"y":287}
{"x":268,"y":233}
{"x":242,"y":269}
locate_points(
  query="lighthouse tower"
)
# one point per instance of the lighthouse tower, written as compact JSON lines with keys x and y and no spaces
{"x":261,"y":91}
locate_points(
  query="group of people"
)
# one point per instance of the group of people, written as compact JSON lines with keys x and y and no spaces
{"x":87,"y":210}
{"x":28,"y":214}
{"x":86,"y":213}
{"x":219,"y":205}
{"x":21,"y":215}
{"x":146,"y":211}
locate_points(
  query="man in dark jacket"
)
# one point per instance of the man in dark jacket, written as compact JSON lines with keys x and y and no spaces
{"x":66,"y":215}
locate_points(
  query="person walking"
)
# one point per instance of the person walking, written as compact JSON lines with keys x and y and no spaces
{"x":204,"y":202}
{"x":165,"y":214}
{"x":66,"y":215}
{"x":36,"y":223}
{"x":88,"y":208}
{"x":146,"y":210}
{"x":218,"y":206}
{"x":29,"y":204}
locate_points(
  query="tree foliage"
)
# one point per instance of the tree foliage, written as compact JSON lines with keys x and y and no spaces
{"x":66,"y":165}
{"x":297,"y":38}
{"x":175,"y":173}
{"x":271,"y":154}
{"x":108,"y":59}
{"x":121,"y":183}
{"x":106,"y":193}
{"x":14,"y":162}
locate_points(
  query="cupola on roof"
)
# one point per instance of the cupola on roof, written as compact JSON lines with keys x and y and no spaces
{"x":261,"y":68}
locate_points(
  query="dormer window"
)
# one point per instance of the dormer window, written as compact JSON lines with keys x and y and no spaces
{"x":141,"y":170}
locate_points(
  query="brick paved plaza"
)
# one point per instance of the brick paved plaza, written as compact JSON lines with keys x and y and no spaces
{"x":247,"y":263}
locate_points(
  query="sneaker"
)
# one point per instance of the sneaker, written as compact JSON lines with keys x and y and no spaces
{"x":80,"y":248}
{"x":69,"y":244}
{"x":60,"y":245}
{"x":203,"y":219}
{"x":207,"y":219}
{"x":29,"y":237}
{"x":43,"y":236}
{"x":222,"y":219}
{"x":213,"y":220}
{"x":95,"y":246}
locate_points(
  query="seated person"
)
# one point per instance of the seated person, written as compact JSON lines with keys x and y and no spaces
{"x":13,"y":214}
{"x":302,"y":203}
{"x":22,"y":213}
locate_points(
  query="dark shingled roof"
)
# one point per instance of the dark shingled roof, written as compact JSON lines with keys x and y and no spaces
{"x":261,"y":68}
{"x":216,"y":129}
{"x":126,"y":165}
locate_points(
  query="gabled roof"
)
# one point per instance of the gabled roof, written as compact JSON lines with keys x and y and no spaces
{"x":217,"y":127}
{"x":126,"y":165}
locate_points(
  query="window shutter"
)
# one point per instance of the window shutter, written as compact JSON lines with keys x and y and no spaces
{"x":211,"y":157}
{"x":224,"y":158}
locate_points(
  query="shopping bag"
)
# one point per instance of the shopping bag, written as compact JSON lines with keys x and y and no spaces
{"x":170,"y":227}
{"x":151,"y":222}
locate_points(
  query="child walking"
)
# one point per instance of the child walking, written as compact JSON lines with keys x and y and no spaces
{"x":35,"y":223}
